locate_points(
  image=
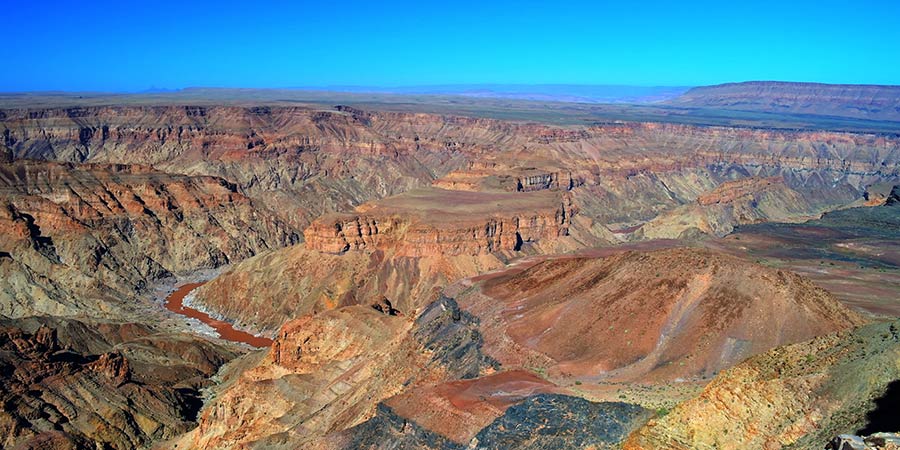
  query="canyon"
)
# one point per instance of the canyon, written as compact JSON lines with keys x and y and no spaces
{"x":284,"y":274}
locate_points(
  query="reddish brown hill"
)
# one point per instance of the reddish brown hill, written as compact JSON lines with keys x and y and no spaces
{"x":263,"y":292}
{"x":658,"y":315}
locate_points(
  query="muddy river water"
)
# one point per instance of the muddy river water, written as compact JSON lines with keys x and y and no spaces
{"x":175,"y":303}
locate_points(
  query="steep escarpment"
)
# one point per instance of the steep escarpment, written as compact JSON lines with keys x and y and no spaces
{"x":305,"y":161}
{"x":665,"y":314}
{"x":70,"y":384}
{"x":842,"y":100}
{"x":793,"y":397}
{"x":81,"y":239}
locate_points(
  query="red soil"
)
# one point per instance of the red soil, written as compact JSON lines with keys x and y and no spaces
{"x":459,"y":409}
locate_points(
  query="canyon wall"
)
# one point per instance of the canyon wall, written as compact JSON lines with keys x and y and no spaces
{"x":78,"y":239}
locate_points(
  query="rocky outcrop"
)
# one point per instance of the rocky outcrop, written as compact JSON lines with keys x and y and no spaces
{"x":793,"y":397}
{"x":894,"y":197}
{"x":451,"y":336}
{"x":447,"y":223}
{"x":324,"y":372}
{"x":733,"y":191}
{"x":886,"y":441}
{"x":338,"y":233}
{"x":58,"y":393}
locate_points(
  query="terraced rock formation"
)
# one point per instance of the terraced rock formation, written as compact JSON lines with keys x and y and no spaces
{"x":450,"y":223}
{"x":306,"y":161}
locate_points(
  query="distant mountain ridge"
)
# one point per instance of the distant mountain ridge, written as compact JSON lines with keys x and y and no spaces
{"x":576,"y":93}
{"x":874,"y":102}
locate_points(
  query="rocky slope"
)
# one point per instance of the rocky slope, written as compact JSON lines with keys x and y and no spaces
{"x":544,"y":421}
{"x":662,"y":315}
{"x":856,"y":101}
{"x":458,"y":374}
{"x":81,"y":239}
{"x":793,"y":397}
{"x":263,"y":292}
{"x":327,"y":372}
{"x":358,"y":378}
{"x":740,"y":202}
{"x":71,"y":384}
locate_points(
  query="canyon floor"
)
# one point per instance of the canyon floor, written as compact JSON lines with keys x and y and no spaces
{"x":268,"y":269}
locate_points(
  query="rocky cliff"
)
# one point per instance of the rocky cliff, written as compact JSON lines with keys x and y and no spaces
{"x":309,"y":161}
{"x":439,"y":222}
{"x":325,"y":373}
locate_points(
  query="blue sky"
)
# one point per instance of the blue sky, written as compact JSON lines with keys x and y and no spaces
{"x":122,"y":46}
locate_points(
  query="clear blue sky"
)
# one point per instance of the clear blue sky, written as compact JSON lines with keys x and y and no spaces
{"x":120,"y":45}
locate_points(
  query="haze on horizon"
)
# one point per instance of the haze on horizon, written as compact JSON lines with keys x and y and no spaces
{"x":115,"y":46}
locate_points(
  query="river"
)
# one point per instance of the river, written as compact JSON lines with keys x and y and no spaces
{"x":175,"y":303}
